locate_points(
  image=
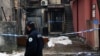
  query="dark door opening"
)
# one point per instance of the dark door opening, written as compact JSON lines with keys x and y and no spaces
{"x":56,"y":20}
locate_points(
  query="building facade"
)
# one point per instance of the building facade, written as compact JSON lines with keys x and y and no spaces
{"x":50,"y":16}
{"x":7,"y":26}
{"x":86,"y":16}
{"x":65,"y":16}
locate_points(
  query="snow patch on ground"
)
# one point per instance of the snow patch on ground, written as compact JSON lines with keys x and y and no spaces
{"x":13,"y":54}
{"x":59,"y":40}
{"x":3,"y":54}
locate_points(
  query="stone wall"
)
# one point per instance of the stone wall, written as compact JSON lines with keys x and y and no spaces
{"x":8,"y":43}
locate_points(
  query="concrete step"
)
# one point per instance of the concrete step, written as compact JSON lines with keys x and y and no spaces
{"x":73,"y":54}
{"x":68,"y":27}
{"x":76,"y":46}
{"x":59,"y":54}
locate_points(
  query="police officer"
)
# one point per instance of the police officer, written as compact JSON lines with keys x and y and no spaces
{"x":34,"y":44}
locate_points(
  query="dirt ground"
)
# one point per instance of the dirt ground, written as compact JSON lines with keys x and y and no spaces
{"x":77,"y":48}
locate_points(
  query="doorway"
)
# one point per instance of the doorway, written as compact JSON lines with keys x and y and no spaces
{"x":56,"y":21}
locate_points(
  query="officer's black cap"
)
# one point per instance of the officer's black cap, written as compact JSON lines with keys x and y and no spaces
{"x":30,"y":24}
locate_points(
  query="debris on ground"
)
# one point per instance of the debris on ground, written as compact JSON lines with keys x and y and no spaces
{"x":59,"y":40}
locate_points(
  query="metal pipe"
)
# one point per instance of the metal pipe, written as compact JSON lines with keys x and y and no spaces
{"x":77,"y":16}
{"x":4,"y":13}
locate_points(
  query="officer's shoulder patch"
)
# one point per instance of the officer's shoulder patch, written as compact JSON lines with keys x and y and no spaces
{"x":39,"y":35}
{"x":30,"y":39}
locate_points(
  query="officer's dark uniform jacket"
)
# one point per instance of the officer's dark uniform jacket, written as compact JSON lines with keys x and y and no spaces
{"x":34,"y":44}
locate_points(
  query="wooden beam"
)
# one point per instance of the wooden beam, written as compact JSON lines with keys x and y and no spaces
{"x":4,"y":13}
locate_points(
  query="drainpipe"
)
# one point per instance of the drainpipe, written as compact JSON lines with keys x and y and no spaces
{"x":19,"y":17}
{"x":91,"y":9}
{"x":77,"y":16}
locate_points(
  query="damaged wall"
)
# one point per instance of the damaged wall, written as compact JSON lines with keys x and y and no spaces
{"x":7,"y":6}
{"x":7,"y":43}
